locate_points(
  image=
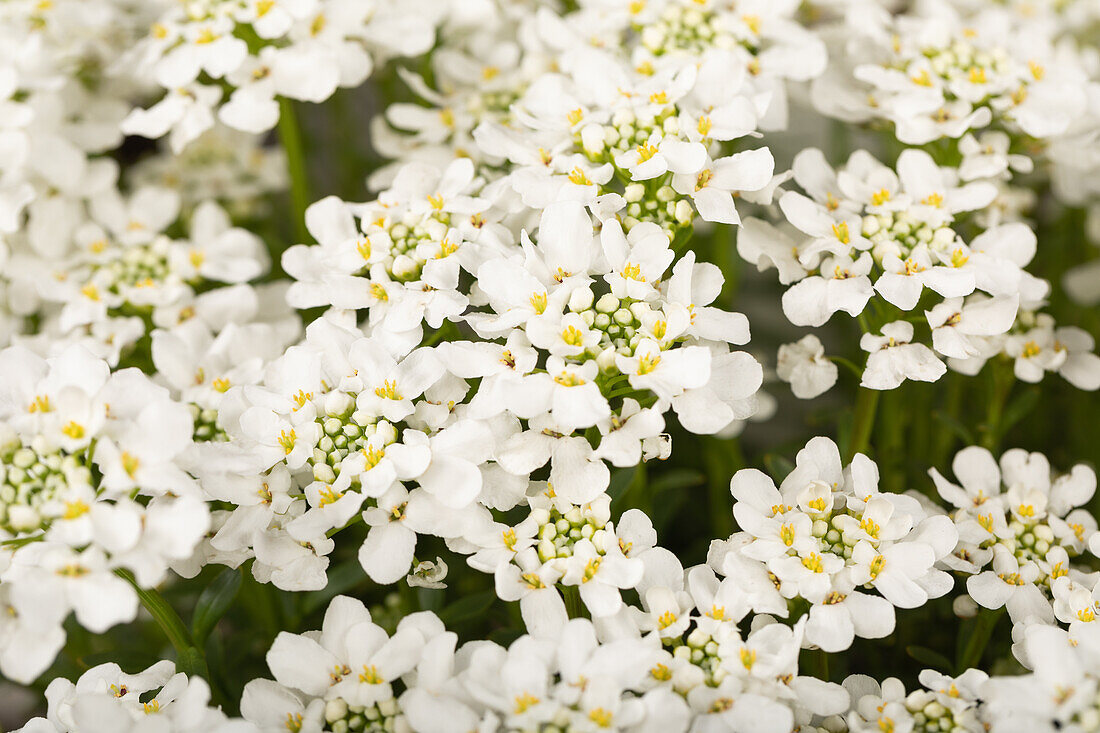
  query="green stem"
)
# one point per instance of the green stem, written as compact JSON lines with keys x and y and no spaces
{"x":290,"y":135}
{"x":980,"y":633}
{"x":866,"y":405}
{"x":717,"y":458}
{"x":572,"y":595}
{"x":847,"y":364}
{"x":1000,"y":387}
{"x":817,"y":663}
{"x":189,"y":659}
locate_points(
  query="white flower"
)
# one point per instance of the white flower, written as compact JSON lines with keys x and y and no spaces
{"x":804,"y":366}
{"x":893,"y":358}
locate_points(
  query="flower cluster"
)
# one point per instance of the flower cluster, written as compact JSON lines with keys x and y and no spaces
{"x":92,"y":485}
{"x":295,"y":49}
{"x":1017,"y":542}
{"x":470,"y":404}
{"x":942,"y":73}
{"x":827,"y":535}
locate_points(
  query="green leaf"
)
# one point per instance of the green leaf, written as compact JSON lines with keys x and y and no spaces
{"x":955,"y":426}
{"x":341,"y":578}
{"x":1019,"y":408}
{"x":505,"y":637}
{"x":929,"y":657}
{"x":777,"y":465}
{"x":974,"y":635}
{"x":676,"y":478}
{"x":467,"y":608}
{"x":213,"y":602}
{"x":191,"y":662}
{"x":620,"y":482}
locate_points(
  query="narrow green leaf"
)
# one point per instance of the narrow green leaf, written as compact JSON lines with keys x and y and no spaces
{"x":620,"y":480}
{"x":1019,"y":408}
{"x":467,"y":608}
{"x":675,"y":479}
{"x":929,"y":657}
{"x":213,"y":602}
{"x":777,"y":465}
{"x":977,"y":633}
{"x":955,"y":426}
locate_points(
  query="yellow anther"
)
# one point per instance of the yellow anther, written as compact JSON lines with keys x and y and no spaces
{"x":812,"y":562}
{"x":579,"y":178}
{"x":364,"y":248}
{"x":572,"y":336}
{"x":370,"y":675}
{"x":74,"y":509}
{"x":130,"y":463}
{"x":524,"y":701}
{"x":870,"y":526}
{"x":532,"y":580}
{"x":301,"y":399}
{"x":388,"y":390}
{"x":787,"y":534}
{"x":631,"y":271}
{"x":600,"y":716}
{"x":286,"y":440}
{"x":646,"y":151}
{"x":840,"y":231}
{"x":327,"y":495}
{"x":373,"y":456}
{"x":569,"y":379}
{"x":648,"y":362}
{"x":922,"y":79}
